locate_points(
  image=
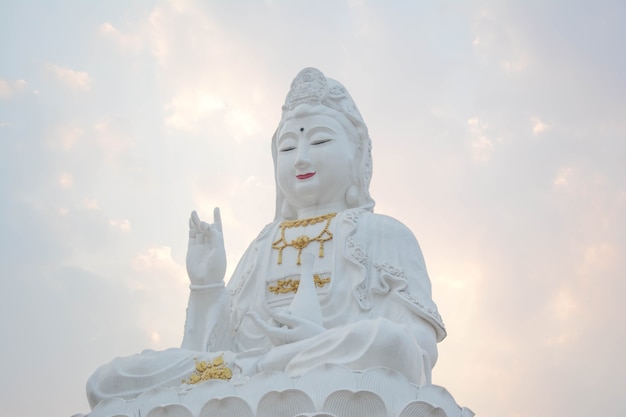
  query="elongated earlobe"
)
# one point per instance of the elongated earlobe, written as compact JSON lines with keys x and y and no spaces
{"x":352,"y":196}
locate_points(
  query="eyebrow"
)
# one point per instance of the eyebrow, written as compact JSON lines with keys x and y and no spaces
{"x":284,"y":136}
{"x":324,"y":129}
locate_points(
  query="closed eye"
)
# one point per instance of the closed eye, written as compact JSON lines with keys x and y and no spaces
{"x":287,"y":149}
{"x":320,"y":141}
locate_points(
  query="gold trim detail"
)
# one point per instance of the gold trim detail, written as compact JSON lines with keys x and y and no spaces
{"x":206,"y":370}
{"x":284,"y":286}
{"x":303,"y":241}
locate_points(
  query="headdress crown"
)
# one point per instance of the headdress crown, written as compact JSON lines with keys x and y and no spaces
{"x":312,"y":87}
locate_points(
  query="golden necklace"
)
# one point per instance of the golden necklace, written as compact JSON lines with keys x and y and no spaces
{"x":303,"y":241}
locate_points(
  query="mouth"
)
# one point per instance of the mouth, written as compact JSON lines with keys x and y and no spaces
{"x":305,"y":176}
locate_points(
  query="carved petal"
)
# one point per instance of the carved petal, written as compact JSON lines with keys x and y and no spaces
{"x":439,"y":397}
{"x":346,"y":403}
{"x":393,"y":387}
{"x":422,"y":409}
{"x":173,"y":410}
{"x":334,"y":377}
{"x":109,"y":415}
{"x":198,"y":396}
{"x":316,"y":415}
{"x":261,"y":383}
{"x":226,"y":407}
{"x":109,"y":408}
{"x":153,"y":399}
{"x":287,"y":403}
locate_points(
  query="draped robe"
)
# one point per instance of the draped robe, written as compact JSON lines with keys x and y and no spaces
{"x":377,"y":310}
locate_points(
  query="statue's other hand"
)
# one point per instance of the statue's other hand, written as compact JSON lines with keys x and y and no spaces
{"x":206,"y":257}
{"x":290,"y":328}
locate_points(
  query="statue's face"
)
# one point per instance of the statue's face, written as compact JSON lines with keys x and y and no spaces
{"x":314,"y":161}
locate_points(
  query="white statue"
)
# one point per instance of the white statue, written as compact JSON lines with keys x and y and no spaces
{"x":327,"y":282}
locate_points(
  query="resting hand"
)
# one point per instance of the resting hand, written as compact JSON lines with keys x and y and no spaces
{"x":206,"y":257}
{"x":290,"y":328}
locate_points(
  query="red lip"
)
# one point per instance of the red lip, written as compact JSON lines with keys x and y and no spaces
{"x":305,"y":176}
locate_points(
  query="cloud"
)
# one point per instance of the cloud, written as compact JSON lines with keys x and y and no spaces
{"x":129,"y":42}
{"x":241,"y":124}
{"x":499,"y":42}
{"x":480,"y":144}
{"x":76,"y":80}
{"x":161,"y":284}
{"x":91,"y":203}
{"x":563,"y":178}
{"x":190,"y":110}
{"x":175,"y":21}
{"x":121,"y":224}
{"x":201,"y":67}
{"x":516,"y":66}
{"x":538,"y":125}
{"x":156,"y":258}
{"x":5,"y":89}
{"x":9,"y":89}
{"x":112,"y":137}
{"x":66,"y":180}
{"x":564,"y":304}
{"x":66,"y":136}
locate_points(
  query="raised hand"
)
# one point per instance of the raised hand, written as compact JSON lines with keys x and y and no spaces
{"x":206,"y":257}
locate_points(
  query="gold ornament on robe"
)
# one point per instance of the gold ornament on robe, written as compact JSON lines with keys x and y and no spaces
{"x":284,"y":286}
{"x":303,"y":241}
{"x":205,"y":370}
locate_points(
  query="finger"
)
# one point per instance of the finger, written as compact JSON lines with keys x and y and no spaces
{"x":286,"y":318}
{"x":217,"y":219}
{"x":192,"y":230}
{"x":280,"y":333}
{"x":270,"y":331}
{"x":195,"y":220}
{"x":196,"y":227}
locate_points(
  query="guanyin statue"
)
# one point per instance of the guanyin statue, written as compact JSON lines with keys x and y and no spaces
{"x":327,"y":283}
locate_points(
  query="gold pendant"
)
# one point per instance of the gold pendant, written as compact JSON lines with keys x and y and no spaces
{"x":303,"y":241}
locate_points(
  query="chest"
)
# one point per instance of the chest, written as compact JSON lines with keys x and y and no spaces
{"x":291,"y":242}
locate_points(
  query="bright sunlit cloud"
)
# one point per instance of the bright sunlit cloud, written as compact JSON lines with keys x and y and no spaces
{"x":539,"y":126}
{"x":78,"y":80}
{"x":480,"y":144}
{"x":9,"y":89}
{"x":128,"y":42}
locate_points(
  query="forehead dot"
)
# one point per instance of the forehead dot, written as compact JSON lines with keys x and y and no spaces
{"x":301,"y":129}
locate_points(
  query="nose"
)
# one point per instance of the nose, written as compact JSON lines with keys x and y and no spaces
{"x":302,"y":157}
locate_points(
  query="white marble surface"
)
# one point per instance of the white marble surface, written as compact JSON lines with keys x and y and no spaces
{"x":371,"y":327}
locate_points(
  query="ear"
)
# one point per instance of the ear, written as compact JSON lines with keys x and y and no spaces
{"x":352,"y":196}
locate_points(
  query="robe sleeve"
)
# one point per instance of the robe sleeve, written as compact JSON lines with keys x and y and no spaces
{"x":398,"y":279}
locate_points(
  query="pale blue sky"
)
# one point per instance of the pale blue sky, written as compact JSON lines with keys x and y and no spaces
{"x":499,"y":138}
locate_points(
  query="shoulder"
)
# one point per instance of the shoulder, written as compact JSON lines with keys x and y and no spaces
{"x":383,"y":227}
{"x":386,"y":240}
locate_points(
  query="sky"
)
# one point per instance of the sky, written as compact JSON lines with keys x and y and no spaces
{"x":499,"y":139}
